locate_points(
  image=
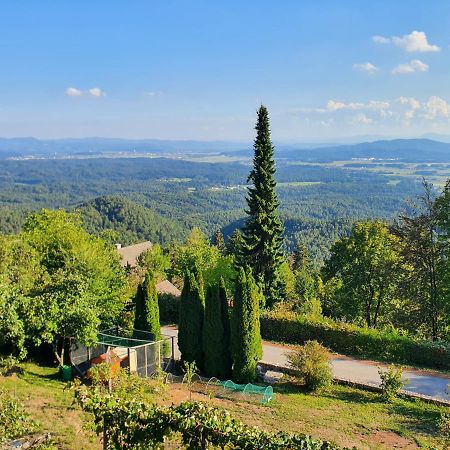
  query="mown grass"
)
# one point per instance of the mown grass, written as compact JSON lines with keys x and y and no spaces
{"x":353,"y":416}
{"x":344,"y":415}
{"x":50,"y":403}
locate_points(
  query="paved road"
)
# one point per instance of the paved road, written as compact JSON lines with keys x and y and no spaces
{"x":432,"y":384}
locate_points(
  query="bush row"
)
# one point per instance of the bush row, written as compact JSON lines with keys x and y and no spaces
{"x":352,"y":340}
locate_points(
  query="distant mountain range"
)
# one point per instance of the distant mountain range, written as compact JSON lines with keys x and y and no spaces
{"x":11,"y":147}
{"x":407,"y":150}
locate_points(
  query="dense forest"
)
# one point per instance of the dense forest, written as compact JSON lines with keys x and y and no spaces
{"x":161,"y":199}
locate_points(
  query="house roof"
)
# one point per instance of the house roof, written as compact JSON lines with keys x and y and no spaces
{"x":166,"y":287}
{"x":130,"y":254}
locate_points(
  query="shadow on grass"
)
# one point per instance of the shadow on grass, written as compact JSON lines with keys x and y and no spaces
{"x":334,"y":392}
{"x":421,"y":416}
{"x":416,"y":415}
{"x":38,"y":371}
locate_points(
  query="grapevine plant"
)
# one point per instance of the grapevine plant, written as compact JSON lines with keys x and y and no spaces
{"x":133,"y":424}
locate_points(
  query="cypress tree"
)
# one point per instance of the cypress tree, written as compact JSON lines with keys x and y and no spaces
{"x":216,"y":333}
{"x":223,"y":296}
{"x":147,"y":310}
{"x":190,"y":327}
{"x":219,"y":241}
{"x":246,"y":335}
{"x":263,"y":230}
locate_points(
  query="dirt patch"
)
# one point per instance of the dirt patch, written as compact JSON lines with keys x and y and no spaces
{"x":389,"y":439}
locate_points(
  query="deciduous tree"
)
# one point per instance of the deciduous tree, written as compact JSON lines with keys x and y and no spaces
{"x":370,"y":265}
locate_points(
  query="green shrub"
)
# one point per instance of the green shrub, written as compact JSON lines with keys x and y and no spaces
{"x":9,"y":365}
{"x":14,"y":421}
{"x":352,"y":340}
{"x":391,"y":381}
{"x":311,"y":361}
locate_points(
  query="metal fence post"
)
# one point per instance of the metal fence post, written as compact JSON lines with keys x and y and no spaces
{"x":159,"y":355}
{"x":146,"y":362}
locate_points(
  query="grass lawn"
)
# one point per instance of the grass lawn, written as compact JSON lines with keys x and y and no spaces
{"x":49,"y":403}
{"x":344,"y":415}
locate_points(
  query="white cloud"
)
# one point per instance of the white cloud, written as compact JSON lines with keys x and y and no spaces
{"x":362,"y":119}
{"x":334,"y":105}
{"x":377,"y":105}
{"x":416,"y":41}
{"x":413,"y":106}
{"x":406,"y":111}
{"x":366,"y":67}
{"x":96,"y":92}
{"x":73,"y":92}
{"x":436,"y":107}
{"x":381,"y":39}
{"x":414,"y":65}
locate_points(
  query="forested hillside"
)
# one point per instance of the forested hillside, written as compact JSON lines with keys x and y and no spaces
{"x":131,"y":222}
{"x":161,"y":198}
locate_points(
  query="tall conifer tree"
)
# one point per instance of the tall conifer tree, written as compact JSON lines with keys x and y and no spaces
{"x":216,"y":333}
{"x":223,"y":296}
{"x":234,"y":245}
{"x":190,"y":327}
{"x":219,"y":241}
{"x":263,"y":230}
{"x":147,"y":309}
{"x":245,"y":331}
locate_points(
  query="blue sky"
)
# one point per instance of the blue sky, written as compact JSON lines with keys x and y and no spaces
{"x":199,"y":69}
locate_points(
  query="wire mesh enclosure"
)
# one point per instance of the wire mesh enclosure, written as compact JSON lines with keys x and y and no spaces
{"x":265,"y":393}
{"x":136,"y":350}
{"x":213,"y":387}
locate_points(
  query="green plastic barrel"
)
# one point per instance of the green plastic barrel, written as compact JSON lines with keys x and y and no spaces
{"x":65,"y":373}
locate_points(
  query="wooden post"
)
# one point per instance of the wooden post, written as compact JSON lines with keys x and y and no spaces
{"x":105,"y":435}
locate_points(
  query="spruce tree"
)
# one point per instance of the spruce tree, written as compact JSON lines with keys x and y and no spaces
{"x":246,"y":335}
{"x":216,"y":333}
{"x":190,"y":327}
{"x":300,"y":258}
{"x":263,"y":230}
{"x":234,"y":244}
{"x":147,"y":310}
{"x":219,"y":241}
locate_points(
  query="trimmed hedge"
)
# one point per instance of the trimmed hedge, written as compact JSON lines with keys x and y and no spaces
{"x":352,"y":340}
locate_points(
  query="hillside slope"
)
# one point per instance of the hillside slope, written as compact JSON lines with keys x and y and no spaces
{"x":132,"y":222}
